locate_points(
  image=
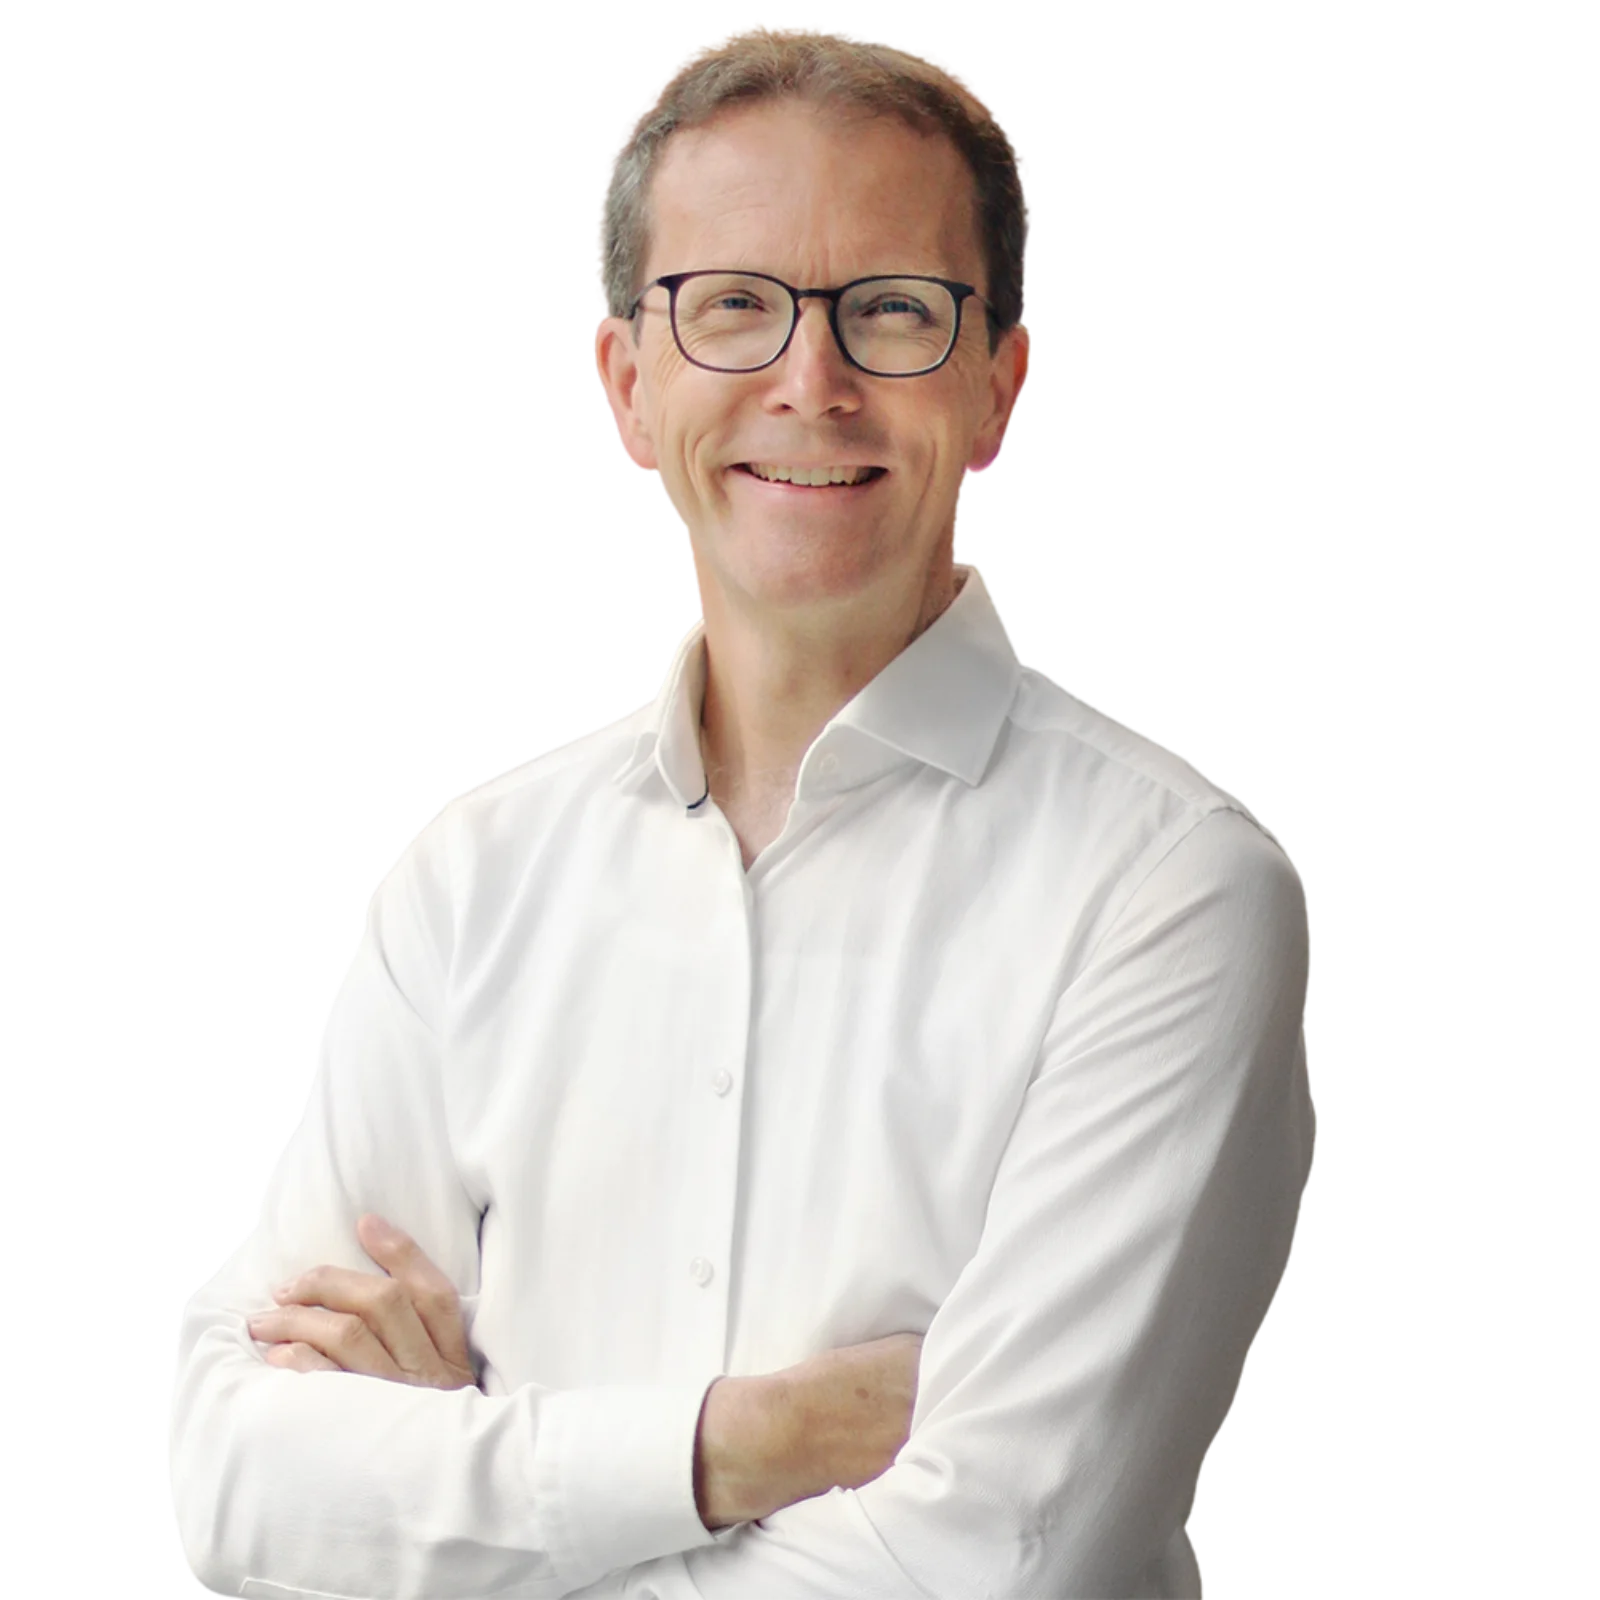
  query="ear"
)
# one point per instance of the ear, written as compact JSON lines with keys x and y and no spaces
{"x":1008,"y":370}
{"x":617,"y":356}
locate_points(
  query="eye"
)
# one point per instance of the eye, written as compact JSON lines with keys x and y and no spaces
{"x":888,"y":305}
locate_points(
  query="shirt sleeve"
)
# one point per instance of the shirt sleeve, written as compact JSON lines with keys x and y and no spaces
{"x":348,"y":1487}
{"x":1137,"y":1229}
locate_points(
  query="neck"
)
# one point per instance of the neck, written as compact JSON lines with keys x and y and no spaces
{"x":776,"y":676}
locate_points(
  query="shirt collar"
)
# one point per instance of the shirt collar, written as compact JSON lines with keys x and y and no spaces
{"x":941,"y":701}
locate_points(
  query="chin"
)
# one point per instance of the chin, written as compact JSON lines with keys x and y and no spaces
{"x":796,"y":573}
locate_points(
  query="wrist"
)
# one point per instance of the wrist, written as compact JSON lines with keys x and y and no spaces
{"x":741,"y":1451}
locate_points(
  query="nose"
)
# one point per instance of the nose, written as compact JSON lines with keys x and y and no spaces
{"x":815,"y":333}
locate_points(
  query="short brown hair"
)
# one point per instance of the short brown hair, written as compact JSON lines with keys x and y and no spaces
{"x":824,"y":69}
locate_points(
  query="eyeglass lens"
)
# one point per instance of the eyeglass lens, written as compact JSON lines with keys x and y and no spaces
{"x":737,"y":322}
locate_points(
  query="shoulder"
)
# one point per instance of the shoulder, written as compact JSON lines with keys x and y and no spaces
{"x":488,"y":821}
{"x":1101,"y":805}
{"x":1072,"y":733}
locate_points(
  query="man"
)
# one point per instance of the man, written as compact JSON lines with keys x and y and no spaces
{"x":836,"y":1132}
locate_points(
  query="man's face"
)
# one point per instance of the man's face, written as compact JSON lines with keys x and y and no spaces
{"x":816,"y":198}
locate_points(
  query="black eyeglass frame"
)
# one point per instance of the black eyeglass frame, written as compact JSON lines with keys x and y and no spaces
{"x":672,"y":281}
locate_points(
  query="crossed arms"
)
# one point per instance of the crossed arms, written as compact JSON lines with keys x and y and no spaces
{"x":1066,"y":1390}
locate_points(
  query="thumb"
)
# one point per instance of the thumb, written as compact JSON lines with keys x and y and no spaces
{"x":380,"y":1238}
{"x":432,"y":1293}
{"x":399,"y":1254}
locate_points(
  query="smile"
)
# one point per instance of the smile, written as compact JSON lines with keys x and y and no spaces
{"x":797,"y":492}
{"x":811,"y":477}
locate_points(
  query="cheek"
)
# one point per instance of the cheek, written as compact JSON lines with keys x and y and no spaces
{"x":686,"y":419}
{"x":943,"y":444}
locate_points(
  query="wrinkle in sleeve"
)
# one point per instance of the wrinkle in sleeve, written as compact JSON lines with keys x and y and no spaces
{"x":341,"y":1484}
{"x":1137,"y":1229}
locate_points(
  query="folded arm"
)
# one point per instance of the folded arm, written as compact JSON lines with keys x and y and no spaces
{"x":323,"y":1482}
{"x":1137,"y":1229}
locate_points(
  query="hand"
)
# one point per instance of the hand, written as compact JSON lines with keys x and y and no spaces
{"x":849,"y":1410}
{"x":836,"y":1420}
{"x":404,"y":1325}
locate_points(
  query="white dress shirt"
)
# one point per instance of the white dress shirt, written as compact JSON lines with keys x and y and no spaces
{"x":999,"y":1041}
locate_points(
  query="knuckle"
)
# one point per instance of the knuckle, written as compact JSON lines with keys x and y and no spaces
{"x":444,"y":1302}
{"x":313,"y":1360}
{"x":346,"y":1331}
{"x":388,"y":1297}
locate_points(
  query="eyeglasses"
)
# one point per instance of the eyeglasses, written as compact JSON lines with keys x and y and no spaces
{"x":891,"y":327}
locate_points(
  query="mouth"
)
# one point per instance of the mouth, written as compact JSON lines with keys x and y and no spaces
{"x":805,"y":492}
{"x":811,"y":478}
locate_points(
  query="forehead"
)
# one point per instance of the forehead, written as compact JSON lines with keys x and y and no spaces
{"x":816,"y":194}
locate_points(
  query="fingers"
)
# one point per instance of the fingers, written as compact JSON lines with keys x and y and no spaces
{"x":341,"y":1338}
{"x":431,"y":1293}
{"x":298,"y":1357}
{"x":367,"y":1318}
{"x":404,"y":1325}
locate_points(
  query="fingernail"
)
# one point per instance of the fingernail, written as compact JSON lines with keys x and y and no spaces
{"x":283,"y":1290}
{"x":380,"y":1230}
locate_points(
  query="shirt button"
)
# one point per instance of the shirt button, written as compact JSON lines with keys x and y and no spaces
{"x":828,"y":765}
{"x":700,"y":1271}
{"x":721,"y":1082}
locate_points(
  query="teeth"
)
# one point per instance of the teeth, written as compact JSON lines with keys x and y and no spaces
{"x":810,"y":477}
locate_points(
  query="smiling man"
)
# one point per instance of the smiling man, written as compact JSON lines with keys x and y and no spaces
{"x":813,"y":443}
{"x":837,"y":1131}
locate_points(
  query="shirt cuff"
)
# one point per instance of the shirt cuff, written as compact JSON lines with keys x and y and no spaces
{"x":614,"y":1470}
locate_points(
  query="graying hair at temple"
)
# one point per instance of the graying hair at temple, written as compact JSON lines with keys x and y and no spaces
{"x":867,"y":78}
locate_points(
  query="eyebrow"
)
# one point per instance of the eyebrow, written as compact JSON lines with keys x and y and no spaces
{"x":877,"y":272}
